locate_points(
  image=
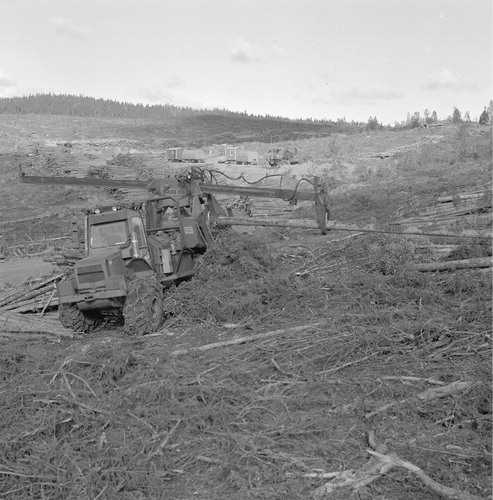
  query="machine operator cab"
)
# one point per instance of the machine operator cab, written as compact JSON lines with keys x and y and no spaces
{"x":116,"y":229}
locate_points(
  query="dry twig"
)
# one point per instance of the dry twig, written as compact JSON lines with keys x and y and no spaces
{"x":444,"y":491}
{"x":428,"y":395}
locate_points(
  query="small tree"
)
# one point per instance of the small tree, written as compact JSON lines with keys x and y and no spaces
{"x":434,"y":117}
{"x":467,"y":117}
{"x":456,"y":117}
{"x":372,"y":124}
{"x":427,"y":115}
{"x":484,"y":119}
{"x":415,"y":119}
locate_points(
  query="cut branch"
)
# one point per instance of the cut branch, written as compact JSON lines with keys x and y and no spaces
{"x":243,"y":340}
{"x":444,"y":491}
{"x":379,"y":464}
{"x":428,"y":395}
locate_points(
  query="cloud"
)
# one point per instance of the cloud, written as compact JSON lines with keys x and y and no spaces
{"x":276,"y":51}
{"x":167,"y":92}
{"x":366,"y":95}
{"x":445,"y":79}
{"x":66,"y":27}
{"x":329,"y":77}
{"x":244,"y":52}
{"x":174,"y":82}
{"x":157,"y":95}
{"x":5,"y":82}
{"x":171,"y":92}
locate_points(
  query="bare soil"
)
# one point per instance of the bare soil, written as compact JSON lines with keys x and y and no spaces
{"x":15,"y":272}
{"x":281,"y":360}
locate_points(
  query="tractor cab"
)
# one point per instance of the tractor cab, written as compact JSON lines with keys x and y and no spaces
{"x":116,"y":249}
{"x":118,"y":229}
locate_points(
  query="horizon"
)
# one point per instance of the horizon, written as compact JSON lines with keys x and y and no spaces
{"x":249,"y":115}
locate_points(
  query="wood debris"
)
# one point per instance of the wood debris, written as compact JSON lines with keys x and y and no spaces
{"x":480,"y":262}
{"x":444,"y":491}
{"x":33,"y":296}
{"x":428,"y":395}
{"x":379,"y":464}
{"x":407,"y":147}
{"x":14,"y":325}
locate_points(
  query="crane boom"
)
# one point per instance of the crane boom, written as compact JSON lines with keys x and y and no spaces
{"x":188,"y":187}
{"x":206,"y":188}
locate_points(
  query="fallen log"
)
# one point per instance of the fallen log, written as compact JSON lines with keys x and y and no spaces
{"x":32,"y":306}
{"x":20,"y":293}
{"x":27,"y":297}
{"x":65,"y":258}
{"x":458,"y":215}
{"x":12,"y":323}
{"x":243,"y":340}
{"x":447,"y":209}
{"x":463,"y":196}
{"x":45,"y":215}
{"x":38,"y":242}
{"x":452,"y":265}
{"x":340,"y":226}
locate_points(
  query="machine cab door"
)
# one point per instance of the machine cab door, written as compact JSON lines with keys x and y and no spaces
{"x":138,"y":238}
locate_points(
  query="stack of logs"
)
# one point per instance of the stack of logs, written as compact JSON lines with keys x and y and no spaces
{"x":470,"y":208}
{"x":36,"y":296}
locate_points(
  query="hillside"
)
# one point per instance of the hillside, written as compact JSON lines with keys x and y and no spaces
{"x":170,"y":125}
{"x":294,"y":365}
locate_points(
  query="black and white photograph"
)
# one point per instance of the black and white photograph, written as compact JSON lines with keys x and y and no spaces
{"x":246,"y":249}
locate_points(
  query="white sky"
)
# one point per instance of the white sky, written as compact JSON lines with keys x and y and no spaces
{"x":294,"y":58}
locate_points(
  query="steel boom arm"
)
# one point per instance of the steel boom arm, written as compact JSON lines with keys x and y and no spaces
{"x":283,"y":194}
{"x":77,"y":181}
{"x":182,"y":189}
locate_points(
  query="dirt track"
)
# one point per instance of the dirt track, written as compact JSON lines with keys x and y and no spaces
{"x":16,"y":272}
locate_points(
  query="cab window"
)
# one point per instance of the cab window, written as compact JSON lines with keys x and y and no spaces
{"x":108,"y":234}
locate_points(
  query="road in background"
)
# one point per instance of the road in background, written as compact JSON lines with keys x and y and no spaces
{"x":16,"y":272}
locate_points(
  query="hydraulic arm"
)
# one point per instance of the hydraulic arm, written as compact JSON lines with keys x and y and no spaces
{"x":185,"y":188}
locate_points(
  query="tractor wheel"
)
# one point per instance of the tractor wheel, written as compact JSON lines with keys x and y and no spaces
{"x":72,"y":317}
{"x":143,"y":309}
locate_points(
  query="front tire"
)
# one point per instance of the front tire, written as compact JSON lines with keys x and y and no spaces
{"x":143,"y":309}
{"x":73,"y":318}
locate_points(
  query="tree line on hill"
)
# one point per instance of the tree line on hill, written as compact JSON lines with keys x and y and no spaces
{"x":72,"y":105}
{"x":82,"y":106}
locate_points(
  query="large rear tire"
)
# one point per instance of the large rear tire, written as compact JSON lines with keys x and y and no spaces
{"x":73,"y":318}
{"x":143,"y":309}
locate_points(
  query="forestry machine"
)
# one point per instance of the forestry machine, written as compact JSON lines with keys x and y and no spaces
{"x":277,"y":157}
{"x":133,"y":253}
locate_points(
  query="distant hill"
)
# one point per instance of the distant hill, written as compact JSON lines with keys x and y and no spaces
{"x":177,"y":125}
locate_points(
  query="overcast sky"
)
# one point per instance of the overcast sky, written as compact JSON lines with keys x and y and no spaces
{"x":294,"y":58}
